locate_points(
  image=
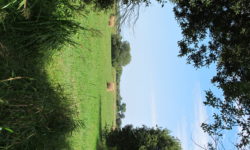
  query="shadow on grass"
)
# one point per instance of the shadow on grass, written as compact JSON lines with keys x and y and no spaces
{"x":99,"y":141}
{"x":39,"y":115}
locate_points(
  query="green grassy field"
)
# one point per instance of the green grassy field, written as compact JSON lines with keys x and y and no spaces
{"x":50,"y":86}
{"x":83,"y":71}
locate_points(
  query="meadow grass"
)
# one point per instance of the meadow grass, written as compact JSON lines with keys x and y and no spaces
{"x":84,"y":71}
{"x":59,"y":100}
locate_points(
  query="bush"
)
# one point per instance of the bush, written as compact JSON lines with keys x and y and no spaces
{"x":142,"y":138}
{"x":120,"y":51}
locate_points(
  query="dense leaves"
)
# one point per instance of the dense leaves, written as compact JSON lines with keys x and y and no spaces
{"x":142,"y":138}
{"x":101,"y":4}
{"x":37,"y":24}
{"x":120,"y":51}
{"x":218,"y":31}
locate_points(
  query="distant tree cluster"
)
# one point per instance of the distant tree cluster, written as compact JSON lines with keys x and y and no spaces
{"x":120,"y":57}
{"x":120,"y":114}
{"x":218,"y":31}
{"x":120,"y":51}
{"x":142,"y":138}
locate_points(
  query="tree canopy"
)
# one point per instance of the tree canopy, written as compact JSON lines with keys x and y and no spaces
{"x":142,"y":138}
{"x":120,"y":51}
{"x":218,"y":32}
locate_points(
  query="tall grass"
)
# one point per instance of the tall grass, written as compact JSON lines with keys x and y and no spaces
{"x":39,"y":115}
{"x":38,"y":24}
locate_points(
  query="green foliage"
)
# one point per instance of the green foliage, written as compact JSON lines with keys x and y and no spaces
{"x":39,"y":115}
{"x":105,"y":4}
{"x":120,"y":51}
{"x":101,"y":4}
{"x":218,"y":31}
{"x":123,"y":107}
{"x":120,"y":57}
{"x":118,"y":96}
{"x":6,"y":129}
{"x":142,"y":138}
{"x":37,"y":24}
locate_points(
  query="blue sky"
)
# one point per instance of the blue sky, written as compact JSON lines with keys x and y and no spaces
{"x":159,"y":87}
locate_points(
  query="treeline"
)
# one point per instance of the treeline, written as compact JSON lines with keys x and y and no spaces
{"x":120,"y":57}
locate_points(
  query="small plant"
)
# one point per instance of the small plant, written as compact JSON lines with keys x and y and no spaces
{"x":6,"y":129}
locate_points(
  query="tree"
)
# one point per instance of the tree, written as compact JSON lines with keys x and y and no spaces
{"x":218,"y":31}
{"x":118,"y":122}
{"x":122,"y":108}
{"x":120,"y":51}
{"x":142,"y":138}
{"x":120,"y":57}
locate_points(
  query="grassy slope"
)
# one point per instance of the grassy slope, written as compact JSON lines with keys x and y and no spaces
{"x":83,"y":72}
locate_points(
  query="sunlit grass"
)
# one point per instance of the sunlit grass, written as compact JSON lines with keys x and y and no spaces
{"x":84,"y":71}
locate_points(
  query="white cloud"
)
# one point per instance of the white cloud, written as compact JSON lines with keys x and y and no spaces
{"x":189,"y":131}
{"x":182,"y":134}
{"x":200,"y":139}
{"x":153,"y":108}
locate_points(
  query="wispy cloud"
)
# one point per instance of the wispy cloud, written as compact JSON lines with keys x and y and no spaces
{"x":189,"y":131}
{"x":182,"y":134}
{"x":153,"y":108}
{"x":200,"y":139}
